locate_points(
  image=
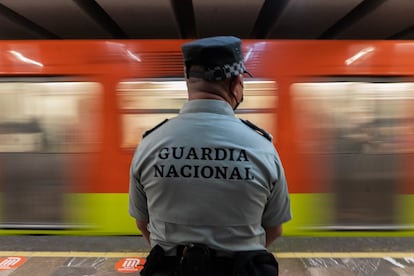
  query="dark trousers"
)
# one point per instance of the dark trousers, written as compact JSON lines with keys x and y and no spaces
{"x":218,"y":267}
{"x":205,"y":262}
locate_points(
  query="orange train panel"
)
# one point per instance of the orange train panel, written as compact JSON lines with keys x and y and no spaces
{"x":286,"y":62}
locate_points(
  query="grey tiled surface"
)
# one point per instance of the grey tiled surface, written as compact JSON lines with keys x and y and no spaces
{"x":289,"y":264}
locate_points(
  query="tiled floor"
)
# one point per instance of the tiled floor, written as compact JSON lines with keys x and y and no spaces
{"x":71,"y":256}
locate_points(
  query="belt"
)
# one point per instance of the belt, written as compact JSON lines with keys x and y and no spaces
{"x":191,"y":256}
{"x":179,"y":250}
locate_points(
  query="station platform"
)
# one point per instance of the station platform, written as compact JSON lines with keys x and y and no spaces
{"x":125,"y":255}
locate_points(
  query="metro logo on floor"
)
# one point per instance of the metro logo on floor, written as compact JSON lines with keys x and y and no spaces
{"x":128,"y":265}
{"x":7,"y":263}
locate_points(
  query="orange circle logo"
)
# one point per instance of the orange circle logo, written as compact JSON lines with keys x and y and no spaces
{"x":11,"y":262}
{"x":128,"y":265}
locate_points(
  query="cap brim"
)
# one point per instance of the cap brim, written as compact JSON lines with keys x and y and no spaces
{"x":248,"y":73}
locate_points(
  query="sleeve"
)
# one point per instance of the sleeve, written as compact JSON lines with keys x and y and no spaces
{"x":277,"y":210}
{"x":137,"y":207}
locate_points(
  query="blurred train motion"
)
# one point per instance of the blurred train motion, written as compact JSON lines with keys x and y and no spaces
{"x":71,"y":113}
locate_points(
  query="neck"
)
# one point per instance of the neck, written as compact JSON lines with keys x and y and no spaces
{"x":198,"y":95}
{"x":200,"y":89}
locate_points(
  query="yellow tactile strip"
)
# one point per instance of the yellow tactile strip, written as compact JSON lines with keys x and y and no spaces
{"x":285,"y":255}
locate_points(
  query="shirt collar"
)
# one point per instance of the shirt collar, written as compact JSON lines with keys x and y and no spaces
{"x":209,"y":106}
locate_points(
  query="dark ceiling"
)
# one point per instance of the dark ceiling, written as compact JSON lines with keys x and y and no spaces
{"x":169,"y":19}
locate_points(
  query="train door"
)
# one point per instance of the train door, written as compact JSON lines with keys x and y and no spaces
{"x":47,"y":125}
{"x":363,"y":128}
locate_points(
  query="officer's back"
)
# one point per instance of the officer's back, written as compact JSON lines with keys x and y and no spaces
{"x":207,"y":189}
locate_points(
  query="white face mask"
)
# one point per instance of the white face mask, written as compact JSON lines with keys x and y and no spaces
{"x":237,"y":102}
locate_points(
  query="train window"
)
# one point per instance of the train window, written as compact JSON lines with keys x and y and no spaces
{"x":370,"y":117}
{"x":45,"y":115}
{"x":356,"y":135}
{"x":145,"y":103}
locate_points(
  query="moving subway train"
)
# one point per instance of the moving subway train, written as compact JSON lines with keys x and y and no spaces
{"x":71,"y":113}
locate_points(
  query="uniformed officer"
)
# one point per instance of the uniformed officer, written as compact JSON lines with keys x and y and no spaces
{"x":208,"y":190}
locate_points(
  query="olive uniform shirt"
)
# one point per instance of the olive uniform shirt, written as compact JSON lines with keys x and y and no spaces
{"x":206,"y":177}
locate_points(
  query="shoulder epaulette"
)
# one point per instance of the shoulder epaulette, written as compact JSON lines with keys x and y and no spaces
{"x":259,"y":130}
{"x":154,"y":128}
